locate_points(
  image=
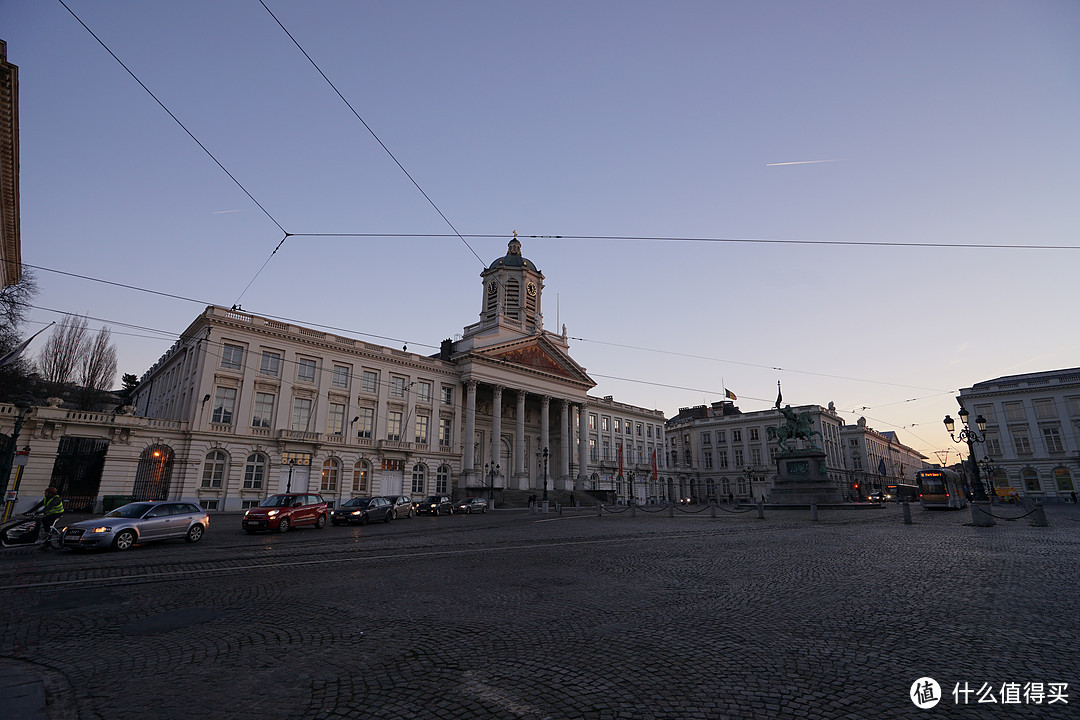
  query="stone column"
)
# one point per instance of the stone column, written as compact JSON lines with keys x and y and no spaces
{"x":564,"y":436}
{"x":583,"y":448}
{"x":545,"y":426}
{"x":469,"y":453}
{"x":521,"y":468}
{"x":496,"y":426}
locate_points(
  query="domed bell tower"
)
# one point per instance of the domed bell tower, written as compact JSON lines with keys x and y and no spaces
{"x":512,"y":290}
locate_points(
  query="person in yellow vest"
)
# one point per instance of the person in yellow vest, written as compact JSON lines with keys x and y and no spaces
{"x":52,"y":509}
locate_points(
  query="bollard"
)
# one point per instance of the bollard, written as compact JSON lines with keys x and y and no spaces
{"x":907,"y":513}
{"x":813,"y":511}
{"x":599,"y":509}
{"x":671,"y":510}
{"x":1039,"y":517}
{"x":545,"y":507}
{"x":761,"y":510}
{"x":712,"y":507}
{"x":633,"y":509}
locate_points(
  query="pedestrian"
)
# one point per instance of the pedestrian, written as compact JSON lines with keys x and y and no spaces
{"x":573,"y":500}
{"x":731,"y":498}
{"x":1074,"y":497}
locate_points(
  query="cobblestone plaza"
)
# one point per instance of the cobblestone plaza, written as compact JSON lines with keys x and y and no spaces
{"x":511,"y":615}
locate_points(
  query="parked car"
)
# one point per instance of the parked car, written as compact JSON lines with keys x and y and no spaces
{"x":471,"y":504}
{"x":139,"y":522}
{"x":403,"y":506}
{"x":284,"y":511}
{"x":877,"y":497}
{"x":435,"y":505}
{"x":363,"y":511}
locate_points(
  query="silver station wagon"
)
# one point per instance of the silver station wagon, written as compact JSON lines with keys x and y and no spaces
{"x":139,"y":522}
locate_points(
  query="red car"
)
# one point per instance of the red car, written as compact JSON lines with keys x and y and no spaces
{"x":285,"y":511}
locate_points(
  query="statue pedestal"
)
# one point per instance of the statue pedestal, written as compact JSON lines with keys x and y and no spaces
{"x":803,"y":480}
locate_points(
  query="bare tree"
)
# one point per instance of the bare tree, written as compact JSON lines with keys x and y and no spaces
{"x":98,"y":369}
{"x":62,"y":353}
{"x":16,"y":379}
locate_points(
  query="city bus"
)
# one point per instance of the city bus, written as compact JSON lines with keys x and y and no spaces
{"x":902,"y":493}
{"x":940,"y":489}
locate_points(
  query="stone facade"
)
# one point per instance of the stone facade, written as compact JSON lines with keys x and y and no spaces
{"x":1032,"y":431}
{"x":878,"y":461}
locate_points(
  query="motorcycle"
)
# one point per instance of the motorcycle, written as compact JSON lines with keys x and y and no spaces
{"x":21,"y":532}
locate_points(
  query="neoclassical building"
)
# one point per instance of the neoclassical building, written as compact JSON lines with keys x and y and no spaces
{"x":879,"y":462}
{"x":243,"y":406}
{"x":1032,"y":431}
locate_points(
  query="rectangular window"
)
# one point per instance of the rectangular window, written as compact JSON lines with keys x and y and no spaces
{"x":369,"y":382}
{"x":753,"y":434}
{"x":618,"y":425}
{"x":397,"y":386}
{"x":1014,"y":411}
{"x":721,"y":458}
{"x":648,"y":431}
{"x":335,"y":419}
{"x":640,"y":430}
{"x":341,"y":377}
{"x":365,"y":423}
{"x":232,"y":357}
{"x":253,"y":473}
{"x":271,"y":363}
{"x":592,"y":422}
{"x":993,"y":444}
{"x":423,"y":392}
{"x":605,"y":424}
{"x":721,"y":437}
{"x":736,"y":436}
{"x":305,"y":370}
{"x":393,"y":425}
{"x":1044,"y":409}
{"x":422,"y":429}
{"x":445,"y":428}
{"x":1073,"y":405}
{"x":706,"y":458}
{"x":447,"y":395}
{"x":605,"y":446}
{"x":738,"y":458}
{"x":1021,"y":442}
{"x":1052,"y":438}
{"x":263,"y":412}
{"x":755,"y":456}
{"x":301,"y":414}
{"x":987,"y":411}
{"x":224,"y":403}
{"x":360,"y":478}
{"x":442,"y":480}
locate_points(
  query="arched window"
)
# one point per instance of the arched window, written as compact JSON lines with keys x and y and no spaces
{"x":214,"y":469}
{"x":360,"y":475}
{"x":419,"y":477}
{"x":255,"y":471}
{"x":442,"y":480}
{"x":725,"y":487}
{"x":1063,"y":479}
{"x":329,"y":476}
{"x":742,"y":485}
{"x":154,"y":473}
{"x":1031,"y":479}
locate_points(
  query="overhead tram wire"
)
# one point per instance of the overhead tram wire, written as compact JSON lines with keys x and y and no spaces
{"x":677,"y":239}
{"x":368,"y":128}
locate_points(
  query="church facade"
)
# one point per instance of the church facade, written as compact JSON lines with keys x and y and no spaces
{"x":243,"y":406}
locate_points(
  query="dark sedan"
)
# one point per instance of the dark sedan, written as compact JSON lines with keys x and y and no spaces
{"x":470,"y":505}
{"x":363,"y":511}
{"x":435,"y":505}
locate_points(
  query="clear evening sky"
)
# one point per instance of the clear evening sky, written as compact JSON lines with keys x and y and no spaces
{"x":942,"y":123}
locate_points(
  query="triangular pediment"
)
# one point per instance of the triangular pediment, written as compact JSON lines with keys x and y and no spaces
{"x":538,"y":355}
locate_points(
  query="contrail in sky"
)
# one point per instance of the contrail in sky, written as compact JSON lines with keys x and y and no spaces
{"x":800,"y":162}
{"x":225,"y":212}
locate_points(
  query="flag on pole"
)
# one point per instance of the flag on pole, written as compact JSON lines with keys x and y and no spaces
{"x":779,"y":396}
{"x":881,"y":467}
{"x":620,"y":460}
{"x":654,"y":464}
{"x":729,"y":395}
{"x":18,"y":350}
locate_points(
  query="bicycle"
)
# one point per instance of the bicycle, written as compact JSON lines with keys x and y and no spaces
{"x":20,"y":532}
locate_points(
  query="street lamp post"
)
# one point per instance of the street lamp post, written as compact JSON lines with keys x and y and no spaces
{"x":970,"y":437}
{"x":288,"y":487}
{"x":988,"y":470}
{"x":492,"y":471}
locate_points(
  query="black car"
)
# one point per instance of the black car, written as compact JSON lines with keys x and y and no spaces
{"x":435,"y":505}
{"x":363,"y":511}
{"x":470,"y":505}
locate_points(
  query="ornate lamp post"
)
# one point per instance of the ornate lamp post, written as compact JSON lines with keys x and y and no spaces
{"x":492,"y":471}
{"x":292,"y":464}
{"x":545,"y":474}
{"x":970,"y":437}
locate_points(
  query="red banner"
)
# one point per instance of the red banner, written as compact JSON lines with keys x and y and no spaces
{"x":654,"y":464}
{"x":620,"y":461}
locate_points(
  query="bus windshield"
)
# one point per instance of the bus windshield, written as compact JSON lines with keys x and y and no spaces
{"x":932,"y":484}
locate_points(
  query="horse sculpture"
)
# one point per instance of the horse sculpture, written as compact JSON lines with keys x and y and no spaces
{"x":797,"y":426}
